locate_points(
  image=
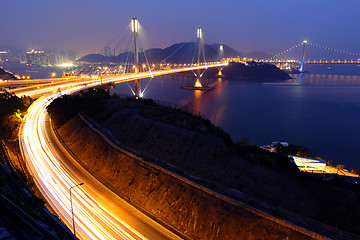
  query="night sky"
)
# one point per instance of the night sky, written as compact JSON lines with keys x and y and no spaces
{"x":246,"y":25}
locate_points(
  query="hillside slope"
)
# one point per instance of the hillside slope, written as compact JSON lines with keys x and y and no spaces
{"x":191,"y":211}
{"x":194,"y":148}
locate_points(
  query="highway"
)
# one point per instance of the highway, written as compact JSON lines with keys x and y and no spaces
{"x":99,"y":213}
{"x":67,"y":83}
{"x":15,"y":83}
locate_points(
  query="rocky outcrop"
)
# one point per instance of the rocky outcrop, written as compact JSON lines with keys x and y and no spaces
{"x":188,"y":209}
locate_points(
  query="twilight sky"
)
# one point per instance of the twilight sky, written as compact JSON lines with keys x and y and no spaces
{"x":246,"y":25}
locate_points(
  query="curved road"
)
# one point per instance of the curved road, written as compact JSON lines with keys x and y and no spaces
{"x":98,"y":212}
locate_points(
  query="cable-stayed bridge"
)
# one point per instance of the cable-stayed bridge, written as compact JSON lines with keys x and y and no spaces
{"x":135,"y":66}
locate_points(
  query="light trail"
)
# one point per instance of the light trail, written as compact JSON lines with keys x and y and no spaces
{"x":96,"y":210}
{"x":53,"y":87}
{"x":99,"y":213}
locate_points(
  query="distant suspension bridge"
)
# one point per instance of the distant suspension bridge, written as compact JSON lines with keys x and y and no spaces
{"x":278,"y":58}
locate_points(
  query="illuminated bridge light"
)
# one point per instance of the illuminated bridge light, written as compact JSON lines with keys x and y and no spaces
{"x":135,"y":25}
{"x":198,"y":83}
{"x":199,"y":33}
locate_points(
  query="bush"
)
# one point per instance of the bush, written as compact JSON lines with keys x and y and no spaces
{"x":64,"y":108}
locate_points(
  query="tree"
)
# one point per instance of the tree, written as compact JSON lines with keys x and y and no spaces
{"x":245,"y":142}
{"x":357,"y":172}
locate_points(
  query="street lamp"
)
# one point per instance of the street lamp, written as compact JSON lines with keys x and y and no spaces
{"x":71,"y":205}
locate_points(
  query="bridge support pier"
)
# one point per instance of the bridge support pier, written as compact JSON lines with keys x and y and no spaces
{"x":220,"y":73}
{"x":137,"y":89}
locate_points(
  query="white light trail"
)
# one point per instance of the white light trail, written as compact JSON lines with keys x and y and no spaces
{"x":99,"y":213}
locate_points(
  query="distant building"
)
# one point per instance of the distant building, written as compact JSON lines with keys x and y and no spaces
{"x":107,"y":51}
{"x":2,"y":53}
{"x":64,"y":57}
{"x":274,"y":145}
{"x":41,"y":58}
{"x":35,"y":57}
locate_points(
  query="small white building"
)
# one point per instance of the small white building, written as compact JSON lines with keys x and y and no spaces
{"x":308,"y":164}
{"x":274,"y":145}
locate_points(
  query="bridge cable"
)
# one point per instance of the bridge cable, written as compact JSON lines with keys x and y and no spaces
{"x":164,"y":60}
{"x":130,"y":88}
{"x":147,"y":62}
{"x":286,"y":51}
{"x":333,"y":49}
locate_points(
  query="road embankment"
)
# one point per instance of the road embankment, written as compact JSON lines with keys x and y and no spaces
{"x":190,"y":210}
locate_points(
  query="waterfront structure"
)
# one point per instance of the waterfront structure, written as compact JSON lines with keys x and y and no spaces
{"x":308,"y":164}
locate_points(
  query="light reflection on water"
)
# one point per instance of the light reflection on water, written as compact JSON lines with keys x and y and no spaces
{"x":320,"y":111}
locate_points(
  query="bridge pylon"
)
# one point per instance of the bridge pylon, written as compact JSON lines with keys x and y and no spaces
{"x":221,"y":55}
{"x":135,"y":31}
{"x":303,"y":57}
{"x":199,"y":39}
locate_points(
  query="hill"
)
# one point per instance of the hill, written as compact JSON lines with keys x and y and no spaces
{"x":250,"y":71}
{"x":255,"y":71}
{"x":258,"y":55}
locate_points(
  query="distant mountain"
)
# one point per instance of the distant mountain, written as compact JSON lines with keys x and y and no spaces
{"x":185,"y":52}
{"x":12,"y":49}
{"x":258,"y":55}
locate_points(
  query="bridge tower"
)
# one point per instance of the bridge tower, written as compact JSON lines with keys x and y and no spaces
{"x":135,"y":31}
{"x":303,"y":57}
{"x":221,"y":55}
{"x":198,"y":75}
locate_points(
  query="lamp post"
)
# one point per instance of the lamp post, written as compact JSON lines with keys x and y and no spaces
{"x":71,"y":205}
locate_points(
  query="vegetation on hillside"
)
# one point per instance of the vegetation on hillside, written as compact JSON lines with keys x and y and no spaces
{"x":92,"y":101}
{"x":11,"y":112}
{"x":65,"y":107}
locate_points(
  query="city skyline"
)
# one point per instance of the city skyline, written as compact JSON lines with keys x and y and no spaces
{"x":87,"y":26}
